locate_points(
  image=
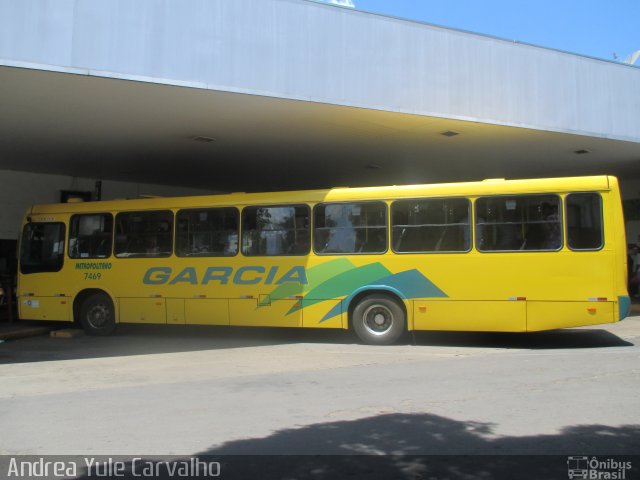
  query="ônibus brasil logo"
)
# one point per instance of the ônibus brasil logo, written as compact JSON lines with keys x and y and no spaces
{"x":586,"y":468}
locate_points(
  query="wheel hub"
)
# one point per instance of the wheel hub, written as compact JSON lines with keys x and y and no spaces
{"x":98,"y":315}
{"x":378,"y":319}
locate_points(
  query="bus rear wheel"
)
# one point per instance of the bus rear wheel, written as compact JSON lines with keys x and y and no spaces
{"x":97,"y":315}
{"x":378,"y":320}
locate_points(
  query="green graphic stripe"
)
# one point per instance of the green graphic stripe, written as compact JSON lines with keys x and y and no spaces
{"x":343,"y":284}
{"x":315,"y":276}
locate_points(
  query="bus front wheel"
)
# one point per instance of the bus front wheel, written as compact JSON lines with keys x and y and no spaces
{"x":378,"y":320}
{"x":97,"y":315}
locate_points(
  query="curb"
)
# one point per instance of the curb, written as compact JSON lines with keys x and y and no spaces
{"x":67,"y":333}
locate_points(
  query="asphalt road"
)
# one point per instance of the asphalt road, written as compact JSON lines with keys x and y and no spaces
{"x":153,"y":390}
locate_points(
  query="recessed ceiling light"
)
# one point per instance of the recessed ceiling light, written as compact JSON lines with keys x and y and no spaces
{"x":582,"y":151}
{"x":449,"y":133}
{"x":202,"y":139}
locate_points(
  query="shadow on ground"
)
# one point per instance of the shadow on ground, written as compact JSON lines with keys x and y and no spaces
{"x":415,"y":446}
{"x":157,"y":339}
{"x":426,"y":434}
{"x":154,"y":339}
{"x":549,"y":340}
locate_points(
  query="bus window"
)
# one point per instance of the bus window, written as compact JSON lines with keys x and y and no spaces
{"x":144,"y":234}
{"x":42,"y":248}
{"x":350,"y":228}
{"x":278,"y":230}
{"x":207,"y":232}
{"x":584,"y":221}
{"x":431,"y":225}
{"x":90,"y":235}
{"x":517,"y":223}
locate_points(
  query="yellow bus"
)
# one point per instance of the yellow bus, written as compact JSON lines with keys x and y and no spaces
{"x":496,"y":255}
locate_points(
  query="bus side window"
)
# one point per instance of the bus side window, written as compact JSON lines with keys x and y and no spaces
{"x":207,"y":232}
{"x":343,"y":228}
{"x":429,"y":225}
{"x":584,"y":221}
{"x":510,"y":223}
{"x":144,"y":234}
{"x":275,"y":230}
{"x":90,"y":235}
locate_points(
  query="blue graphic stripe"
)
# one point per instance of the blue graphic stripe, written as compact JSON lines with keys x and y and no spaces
{"x":624,"y":305}
{"x":408,"y":285}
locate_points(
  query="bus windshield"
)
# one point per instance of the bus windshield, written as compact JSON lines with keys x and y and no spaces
{"x":42,"y":248}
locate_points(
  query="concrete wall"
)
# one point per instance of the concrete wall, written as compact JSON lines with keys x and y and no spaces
{"x":317,"y":52}
{"x":20,"y":190}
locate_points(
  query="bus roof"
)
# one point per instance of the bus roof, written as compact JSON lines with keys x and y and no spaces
{"x":485,"y":187}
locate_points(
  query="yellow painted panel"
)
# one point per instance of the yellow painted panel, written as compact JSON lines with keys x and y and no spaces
{"x":142,"y":310}
{"x":207,"y":311}
{"x":175,"y":311}
{"x":242,"y":311}
{"x":478,"y":316}
{"x":313,"y":313}
{"x":550,"y":315}
{"x":245,"y":312}
{"x":45,"y":308}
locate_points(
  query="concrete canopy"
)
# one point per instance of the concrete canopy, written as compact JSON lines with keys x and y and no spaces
{"x":297,"y":94}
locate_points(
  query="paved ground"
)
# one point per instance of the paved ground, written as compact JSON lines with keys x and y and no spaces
{"x":176,"y":390}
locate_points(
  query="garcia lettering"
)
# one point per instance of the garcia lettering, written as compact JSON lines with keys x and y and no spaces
{"x":249,"y":275}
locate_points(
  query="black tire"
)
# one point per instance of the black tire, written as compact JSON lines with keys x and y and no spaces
{"x":97,"y":315}
{"x":378,"y":320}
